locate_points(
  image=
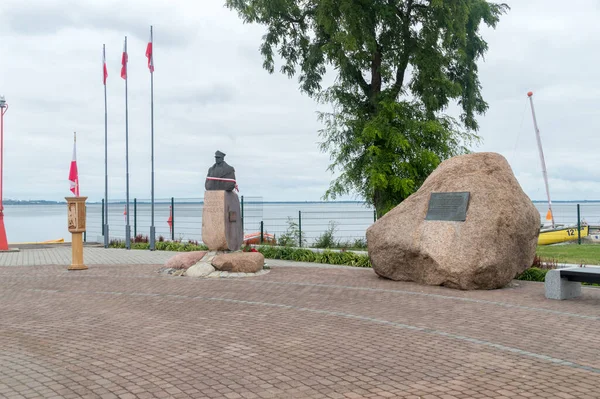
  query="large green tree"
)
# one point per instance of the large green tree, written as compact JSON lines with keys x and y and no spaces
{"x":399,"y":64}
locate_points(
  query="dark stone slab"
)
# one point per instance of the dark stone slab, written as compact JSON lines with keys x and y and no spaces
{"x":581,"y":274}
{"x":233,"y":221}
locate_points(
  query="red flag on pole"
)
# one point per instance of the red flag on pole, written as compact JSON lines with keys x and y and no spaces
{"x":73,"y":174}
{"x":105,"y":71}
{"x":170,"y":220}
{"x":149,"y":53}
{"x":124,"y":61}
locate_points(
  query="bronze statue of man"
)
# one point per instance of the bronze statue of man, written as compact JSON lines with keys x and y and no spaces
{"x":221,"y":176}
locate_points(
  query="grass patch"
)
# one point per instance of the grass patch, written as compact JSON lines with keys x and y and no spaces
{"x":586,"y":254}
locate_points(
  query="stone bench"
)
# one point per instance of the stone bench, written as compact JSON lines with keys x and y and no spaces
{"x":566,"y":283}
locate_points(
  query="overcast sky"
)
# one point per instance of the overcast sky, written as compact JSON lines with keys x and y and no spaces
{"x":212,"y":93}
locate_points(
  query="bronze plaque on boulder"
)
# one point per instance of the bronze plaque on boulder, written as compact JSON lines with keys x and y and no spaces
{"x":448,"y":206}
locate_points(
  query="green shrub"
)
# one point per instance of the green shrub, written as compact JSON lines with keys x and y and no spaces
{"x":306,"y":255}
{"x":291,"y":237}
{"x":116,"y":244}
{"x":360,"y":243}
{"x":162,"y":245}
{"x":533,"y":274}
{"x":327,"y":239}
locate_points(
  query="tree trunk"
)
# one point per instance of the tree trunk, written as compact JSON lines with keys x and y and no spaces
{"x":378,"y":202}
{"x":376,"y":75}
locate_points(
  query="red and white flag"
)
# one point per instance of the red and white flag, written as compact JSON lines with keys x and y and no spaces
{"x":104,"y":70}
{"x":73,"y":174}
{"x":124,"y":60}
{"x":170,"y":219}
{"x":149,"y":53}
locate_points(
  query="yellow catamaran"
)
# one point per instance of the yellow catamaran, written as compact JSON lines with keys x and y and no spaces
{"x":553,"y":234}
{"x":563,"y":234}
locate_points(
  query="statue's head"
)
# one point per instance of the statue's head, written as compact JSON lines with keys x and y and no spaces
{"x":219,"y":156}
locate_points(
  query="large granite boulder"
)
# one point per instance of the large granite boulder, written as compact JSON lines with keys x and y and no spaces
{"x":495,"y":242}
{"x":239,"y":262}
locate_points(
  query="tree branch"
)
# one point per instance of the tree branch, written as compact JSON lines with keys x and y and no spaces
{"x":406,"y":40}
{"x":347,"y":65}
{"x":357,"y":74}
{"x":299,"y":20}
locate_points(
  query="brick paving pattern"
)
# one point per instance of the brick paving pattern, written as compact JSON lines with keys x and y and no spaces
{"x":61,"y":255}
{"x":124,"y":331}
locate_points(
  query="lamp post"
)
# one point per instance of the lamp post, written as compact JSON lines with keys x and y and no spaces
{"x":3,"y":240}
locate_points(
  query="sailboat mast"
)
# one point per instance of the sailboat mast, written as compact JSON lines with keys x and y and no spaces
{"x":539,"y":143}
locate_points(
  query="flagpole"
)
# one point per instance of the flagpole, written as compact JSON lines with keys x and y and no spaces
{"x":106,"y":239}
{"x":127,"y":227}
{"x":77,"y":179}
{"x":3,"y":240}
{"x":152,"y":228}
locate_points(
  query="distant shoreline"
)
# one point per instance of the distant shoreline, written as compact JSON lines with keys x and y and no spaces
{"x":184,"y":201}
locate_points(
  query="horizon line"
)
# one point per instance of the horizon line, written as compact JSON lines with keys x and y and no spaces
{"x":250,"y":200}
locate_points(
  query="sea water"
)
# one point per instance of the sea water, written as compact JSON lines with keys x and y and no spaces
{"x":348,"y":220}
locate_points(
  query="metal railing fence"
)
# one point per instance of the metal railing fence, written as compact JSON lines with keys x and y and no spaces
{"x":300,"y":223}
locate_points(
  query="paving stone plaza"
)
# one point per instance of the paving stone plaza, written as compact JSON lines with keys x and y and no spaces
{"x":122,"y":330}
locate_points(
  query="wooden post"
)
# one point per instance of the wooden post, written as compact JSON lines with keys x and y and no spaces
{"x":76,"y":224}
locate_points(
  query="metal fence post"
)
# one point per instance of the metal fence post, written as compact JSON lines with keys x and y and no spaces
{"x":262,"y":227}
{"x":102,"y":217}
{"x":578,"y":226}
{"x":135,"y":217}
{"x":300,"y":229}
{"x":85,"y":232}
{"x":242,"y":214}
{"x":172,"y":218}
{"x":374,"y":215}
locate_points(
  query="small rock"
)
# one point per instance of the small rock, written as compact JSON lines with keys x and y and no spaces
{"x":239,"y":262}
{"x":184,"y":259}
{"x":200,"y":269}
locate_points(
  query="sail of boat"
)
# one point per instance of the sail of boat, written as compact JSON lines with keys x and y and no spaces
{"x":549,"y":215}
{"x":553,"y":234}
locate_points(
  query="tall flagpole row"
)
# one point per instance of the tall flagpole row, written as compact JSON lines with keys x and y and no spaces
{"x":124,"y":75}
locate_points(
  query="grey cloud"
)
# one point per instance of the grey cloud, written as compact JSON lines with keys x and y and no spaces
{"x":212,"y":93}
{"x":51,"y":17}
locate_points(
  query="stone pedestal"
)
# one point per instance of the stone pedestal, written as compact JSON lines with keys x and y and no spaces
{"x":222,"y":221}
{"x":76,"y":225}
